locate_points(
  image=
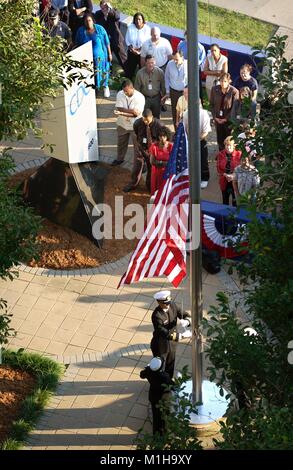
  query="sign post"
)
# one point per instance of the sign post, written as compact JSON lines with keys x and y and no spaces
{"x":70,"y":124}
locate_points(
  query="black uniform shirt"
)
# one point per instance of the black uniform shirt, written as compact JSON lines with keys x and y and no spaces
{"x":158,"y":381}
{"x":165,"y":321}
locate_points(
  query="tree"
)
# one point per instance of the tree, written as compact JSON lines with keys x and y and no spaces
{"x":255,"y":369}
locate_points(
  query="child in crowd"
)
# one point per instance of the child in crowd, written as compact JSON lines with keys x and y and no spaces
{"x":159,"y":156}
{"x":245,"y":178}
{"x":227,"y":160}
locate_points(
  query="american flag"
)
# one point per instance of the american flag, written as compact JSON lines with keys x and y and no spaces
{"x":161,"y":250}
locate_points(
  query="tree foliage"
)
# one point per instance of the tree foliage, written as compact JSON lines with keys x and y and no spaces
{"x":255,"y":369}
{"x":18,"y":224}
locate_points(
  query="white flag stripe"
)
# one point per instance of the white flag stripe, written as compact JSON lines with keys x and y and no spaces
{"x":154,"y":257}
{"x":158,"y":207}
{"x":156,"y":262}
{"x":183,"y":192}
{"x":180,"y":223}
{"x":177,"y":239}
{"x":174,"y":273}
{"x":166,"y":262}
{"x":154,"y":265}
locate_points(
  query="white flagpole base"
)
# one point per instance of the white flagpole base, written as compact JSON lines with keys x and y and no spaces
{"x":214,"y":406}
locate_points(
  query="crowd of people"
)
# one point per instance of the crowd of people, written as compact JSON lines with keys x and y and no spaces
{"x":155,"y":74}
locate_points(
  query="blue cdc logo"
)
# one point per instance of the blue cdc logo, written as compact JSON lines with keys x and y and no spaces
{"x":77,"y":99}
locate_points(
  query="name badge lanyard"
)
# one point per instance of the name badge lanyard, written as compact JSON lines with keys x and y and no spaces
{"x":137,"y":39}
{"x":221,"y":112}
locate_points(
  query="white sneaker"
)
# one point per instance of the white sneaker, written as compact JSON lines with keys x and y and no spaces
{"x":204,"y":184}
{"x":106,"y":92}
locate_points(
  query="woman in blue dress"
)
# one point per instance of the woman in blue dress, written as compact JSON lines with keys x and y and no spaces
{"x":101,"y":50}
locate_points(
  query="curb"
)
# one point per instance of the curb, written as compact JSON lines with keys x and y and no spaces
{"x":107,"y":268}
{"x":98,"y":356}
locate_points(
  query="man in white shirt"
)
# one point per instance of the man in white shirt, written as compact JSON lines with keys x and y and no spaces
{"x":175,"y":81}
{"x":129,"y":107}
{"x":205,"y":128}
{"x":159,"y":48}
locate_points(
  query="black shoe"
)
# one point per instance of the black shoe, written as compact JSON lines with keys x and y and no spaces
{"x":117,"y":162}
{"x":128,"y":188}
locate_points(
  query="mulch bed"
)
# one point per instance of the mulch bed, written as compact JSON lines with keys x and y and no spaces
{"x":62,"y":248}
{"x":15,"y":386}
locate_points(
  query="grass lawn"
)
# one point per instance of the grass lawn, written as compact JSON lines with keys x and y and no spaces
{"x":46,"y":373}
{"x":213,"y":21}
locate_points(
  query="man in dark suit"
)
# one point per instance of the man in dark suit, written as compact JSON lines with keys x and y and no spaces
{"x":146,"y":131}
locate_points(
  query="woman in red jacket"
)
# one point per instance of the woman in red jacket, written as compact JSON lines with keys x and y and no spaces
{"x":227,"y":160}
{"x":159,"y":156}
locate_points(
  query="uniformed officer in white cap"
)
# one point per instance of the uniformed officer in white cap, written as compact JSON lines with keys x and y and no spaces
{"x":158,"y":380}
{"x":165,"y":337}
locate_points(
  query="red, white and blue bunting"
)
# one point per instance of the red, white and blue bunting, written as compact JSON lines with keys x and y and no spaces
{"x":217,"y":236}
{"x":221,"y":226}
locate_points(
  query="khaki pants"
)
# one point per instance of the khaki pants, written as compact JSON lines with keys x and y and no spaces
{"x":174,"y":96}
{"x":123,"y":136}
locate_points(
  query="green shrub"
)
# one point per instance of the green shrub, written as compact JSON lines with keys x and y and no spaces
{"x":47,"y":374}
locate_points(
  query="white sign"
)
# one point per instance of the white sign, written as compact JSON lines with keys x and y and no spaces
{"x":71,"y":124}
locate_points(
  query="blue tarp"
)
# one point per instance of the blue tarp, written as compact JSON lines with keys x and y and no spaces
{"x":217,"y":210}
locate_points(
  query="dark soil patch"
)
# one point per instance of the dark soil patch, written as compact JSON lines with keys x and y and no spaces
{"x":62,"y":248}
{"x":15,"y":386}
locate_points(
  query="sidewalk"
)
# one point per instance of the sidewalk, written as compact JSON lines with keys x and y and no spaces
{"x":101,"y":333}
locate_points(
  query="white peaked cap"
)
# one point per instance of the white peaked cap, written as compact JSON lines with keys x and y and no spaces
{"x":156,"y":363}
{"x":163,"y":296}
{"x":250,"y":331}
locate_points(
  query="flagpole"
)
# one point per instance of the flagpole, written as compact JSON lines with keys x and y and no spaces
{"x":194,"y":190}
